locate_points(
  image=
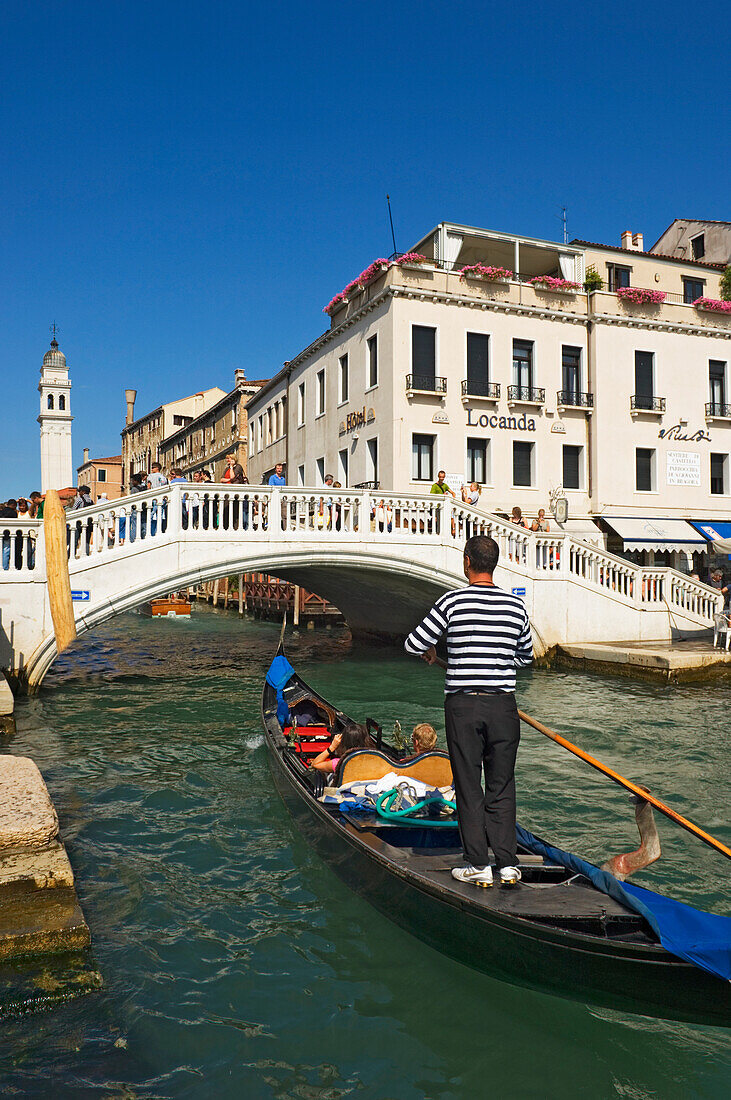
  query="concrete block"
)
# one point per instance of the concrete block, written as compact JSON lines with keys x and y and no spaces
{"x":46,"y":868}
{"x":28,"y":819}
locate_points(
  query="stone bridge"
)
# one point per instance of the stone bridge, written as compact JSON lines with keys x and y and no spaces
{"x":382,"y":558}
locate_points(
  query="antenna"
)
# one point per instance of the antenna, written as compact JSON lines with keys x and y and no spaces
{"x":53,"y":329}
{"x":565,"y":227}
{"x":390,"y":218}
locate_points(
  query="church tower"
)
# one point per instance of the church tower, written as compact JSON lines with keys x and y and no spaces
{"x":55,"y":420}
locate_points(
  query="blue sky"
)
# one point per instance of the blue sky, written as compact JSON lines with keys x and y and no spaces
{"x":185,"y":185}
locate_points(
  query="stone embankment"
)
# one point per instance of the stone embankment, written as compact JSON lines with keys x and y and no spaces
{"x":39,"y":910}
{"x":7,"y":706}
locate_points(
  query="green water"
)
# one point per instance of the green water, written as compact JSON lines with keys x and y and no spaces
{"x":235,"y":964}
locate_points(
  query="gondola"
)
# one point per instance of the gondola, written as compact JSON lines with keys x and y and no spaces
{"x":556,"y":932}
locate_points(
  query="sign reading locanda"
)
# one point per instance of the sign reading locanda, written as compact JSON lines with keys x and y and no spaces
{"x":512,"y":423}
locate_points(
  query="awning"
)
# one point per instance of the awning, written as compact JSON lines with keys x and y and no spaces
{"x":656,"y":534}
{"x":717,"y":532}
{"x":585,"y":530}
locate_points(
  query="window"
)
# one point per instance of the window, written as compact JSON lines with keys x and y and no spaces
{"x":270,"y":426}
{"x":233,"y":419}
{"x":101,"y":475}
{"x":572,"y":467}
{"x":719,"y":474}
{"x":522,"y":462}
{"x":372,"y":351}
{"x":571,"y":374}
{"x":717,"y":385}
{"x":61,"y":402}
{"x":424,"y":354}
{"x":252,"y":439}
{"x":180,"y":421}
{"x":692,"y":289}
{"x":301,"y":405}
{"x":50,"y":401}
{"x":260,"y":433}
{"x":343,"y":468}
{"x":422,"y":457}
{"x":617,"y":276}
{"x":478,"y":367}
{"x":320,"y":393}
{"x":343,"y":379}
{"x":372,"y":460}
{"x":523,"y":364}
{"x":644,"y":470}
{"x":300,"y":475}
{"x":320,"y":469}
{"x":644,"y":388}
{"x":477,"y":450}
{"x":698,"y":246}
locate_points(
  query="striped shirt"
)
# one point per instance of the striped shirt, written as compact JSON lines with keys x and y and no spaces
{"x":488,"y":637}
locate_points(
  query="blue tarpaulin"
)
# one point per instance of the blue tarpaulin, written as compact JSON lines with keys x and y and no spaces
{"x":703,"y":939}
{"x":279,"y":674}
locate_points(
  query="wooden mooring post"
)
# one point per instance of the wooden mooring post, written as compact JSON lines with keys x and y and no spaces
{"x":241,"y":593}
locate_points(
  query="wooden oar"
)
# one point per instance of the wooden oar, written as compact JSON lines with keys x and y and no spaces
{"x":629,"y":785}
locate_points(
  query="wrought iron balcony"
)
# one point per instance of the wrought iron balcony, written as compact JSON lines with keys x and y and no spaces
{"x":575,"y":399}
{"x":368,"y":485}
{"x":641,"y":402}
{"x":527,"y":395}
{"x":718,"y":409}
{"x":425,"y":383}
{"x":488,"y":390}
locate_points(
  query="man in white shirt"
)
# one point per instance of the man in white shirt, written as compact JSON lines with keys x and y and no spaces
{"x":156,"y":480}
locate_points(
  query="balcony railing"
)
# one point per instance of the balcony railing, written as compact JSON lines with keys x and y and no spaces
{"x":528,"y":394}
{"x":425,"y":383}
{"x":489,"y":390}
{"x":640,"y":402}
{"x":368,"y":485}
{"x":717,"y":408}
{"x":575,"y":399}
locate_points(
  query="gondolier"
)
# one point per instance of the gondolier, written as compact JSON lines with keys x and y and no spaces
{"x":488,"y":637}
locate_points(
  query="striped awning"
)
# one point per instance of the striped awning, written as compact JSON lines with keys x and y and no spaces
{"x":640,"y":533}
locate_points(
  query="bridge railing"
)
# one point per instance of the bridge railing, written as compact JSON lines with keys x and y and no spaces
{"x":19,"y":545}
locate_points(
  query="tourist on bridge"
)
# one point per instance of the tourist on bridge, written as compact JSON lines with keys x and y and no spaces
{"x":440,"y":485}
{"x":540,"y":523}
{"x":277,"y":478}
{"x":488,"y":637}
{"x":234,"y":475}
{"x":516,"y":517}
{"x":8,"y":510}
{"x":156,"y":480}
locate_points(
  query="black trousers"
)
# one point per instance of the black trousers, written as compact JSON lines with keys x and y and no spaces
{"x":483,"y":732}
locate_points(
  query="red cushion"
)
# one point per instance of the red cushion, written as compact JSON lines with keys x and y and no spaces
{"x":308,"y":733}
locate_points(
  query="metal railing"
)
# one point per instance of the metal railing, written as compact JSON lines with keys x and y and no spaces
{"x":425,"y":383}
{"x":489,"y":390}
{"x":531,"y":394}
{"x":717,"y":408}
{"x":368,"y":485}
{"x":640,"y":402}
{"x":575,"y":399}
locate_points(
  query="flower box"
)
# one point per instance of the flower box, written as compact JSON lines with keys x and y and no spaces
{"x":557,"y":286}
{"x":712,"y":305}
{"x":411,"y":259}
{"x":639,"y":296}
{"x":485,"y":273}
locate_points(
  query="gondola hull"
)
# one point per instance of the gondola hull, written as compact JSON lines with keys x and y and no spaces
{"x":631,"y":977}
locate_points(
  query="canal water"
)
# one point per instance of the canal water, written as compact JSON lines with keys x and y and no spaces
{"x":235,"y":964}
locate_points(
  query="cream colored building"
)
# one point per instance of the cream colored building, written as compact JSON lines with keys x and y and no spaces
{"x":622,"y":408}
{"x":102,"y":476}
{"x":143,"y":437}
{"x":204,"y":442}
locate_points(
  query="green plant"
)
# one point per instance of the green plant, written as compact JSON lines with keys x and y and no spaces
{"x":593,"y":281}
{"x":726,"y":285}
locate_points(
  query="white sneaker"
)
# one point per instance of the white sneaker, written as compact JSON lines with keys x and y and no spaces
{"x":479,"y":876}
{"x":510,"y":876}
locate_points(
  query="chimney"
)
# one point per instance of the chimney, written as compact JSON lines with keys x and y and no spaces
{"x":86,"y":455}
{"x":130,"y":397}
{"x":239,"y":378}
{"x":632,"y":241}
{"x":199,"y":402}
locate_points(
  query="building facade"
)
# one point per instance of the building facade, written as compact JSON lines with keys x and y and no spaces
{"x":142,"y":438}
{"x":204,"y":442}
{"x":55,"y":419}
{"x":534,"y":389}
{"x":102,"y":476}
{"x":696,"y":240}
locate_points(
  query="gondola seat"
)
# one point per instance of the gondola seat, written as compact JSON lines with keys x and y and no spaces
{"x":433,"y":768}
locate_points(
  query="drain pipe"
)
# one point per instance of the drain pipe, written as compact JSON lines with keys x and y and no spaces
{"x":589,"y":419}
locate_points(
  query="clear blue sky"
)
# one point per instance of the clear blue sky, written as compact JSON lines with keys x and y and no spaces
{"x":184,"y":185}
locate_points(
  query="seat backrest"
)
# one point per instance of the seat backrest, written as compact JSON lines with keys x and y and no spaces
{"x":433,"y":768}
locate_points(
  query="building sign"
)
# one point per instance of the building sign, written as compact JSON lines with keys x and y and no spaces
{"x":558,"y":426}
{"x":356,"y":420}
{"x":512,"y":423}
{"x":440,"y":418}
{"x":683,"y":468}
{"x":680,"y":435}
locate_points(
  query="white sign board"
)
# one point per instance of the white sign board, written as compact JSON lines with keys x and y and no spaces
{"x":683,"y":468}
{"x":455,"y":483}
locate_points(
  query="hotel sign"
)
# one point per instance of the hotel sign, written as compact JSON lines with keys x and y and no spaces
{"x":512,"y":423}
{"x":683,"y":468}
{"x":356,"y":420}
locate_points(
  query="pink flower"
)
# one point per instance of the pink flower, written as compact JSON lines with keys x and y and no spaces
{"x":552,"y":283}
{"x":639,"y":296}
{"x":485,"y":271}
{"x":411,"y":258}
{"x":715,"y":305}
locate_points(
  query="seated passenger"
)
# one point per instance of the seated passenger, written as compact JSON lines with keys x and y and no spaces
{"x":354,"y":736}
{"x":424,"y":739}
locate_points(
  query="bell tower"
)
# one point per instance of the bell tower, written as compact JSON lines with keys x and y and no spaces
{"x":55,"y":419}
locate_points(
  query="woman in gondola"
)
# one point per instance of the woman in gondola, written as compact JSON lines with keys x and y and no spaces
{"x":353,"y":736}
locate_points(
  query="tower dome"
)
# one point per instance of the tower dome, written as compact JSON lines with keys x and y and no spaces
{"x":54,"y":357}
